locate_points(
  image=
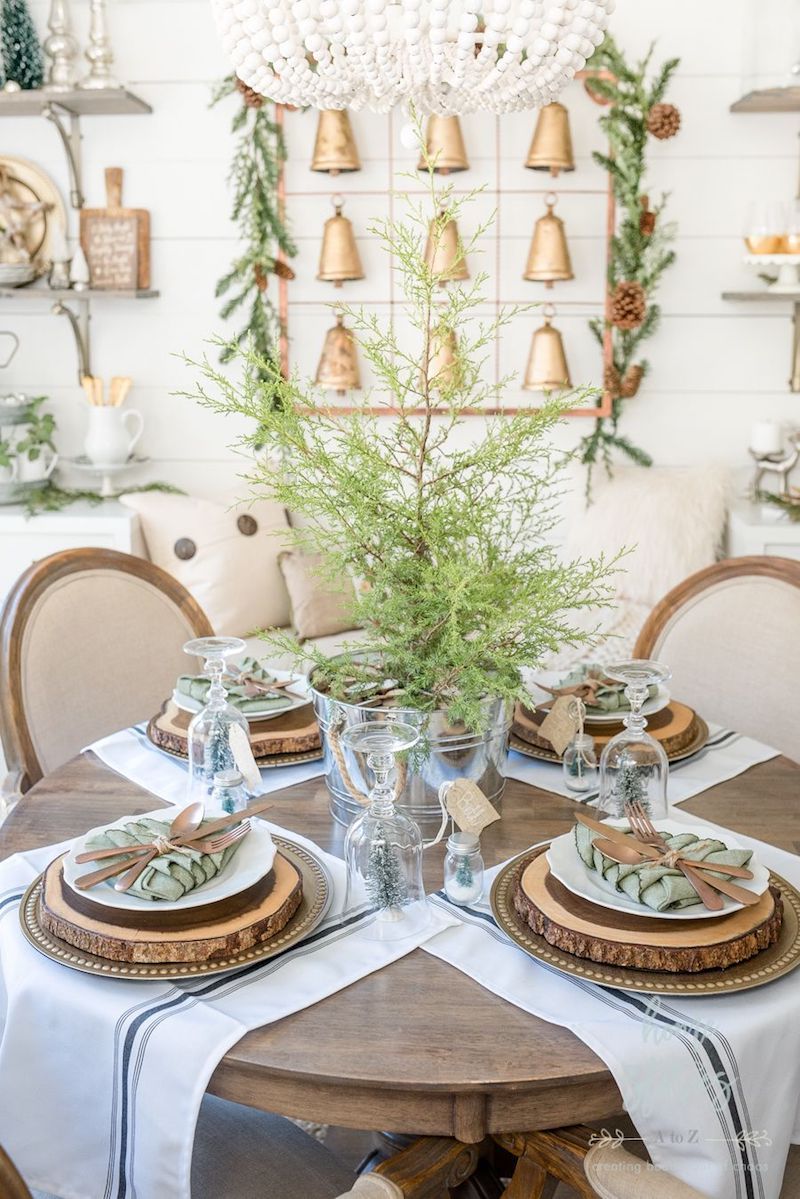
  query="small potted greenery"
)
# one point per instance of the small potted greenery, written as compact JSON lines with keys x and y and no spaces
{"x":35,"y":449}
{"x":443,"y":520}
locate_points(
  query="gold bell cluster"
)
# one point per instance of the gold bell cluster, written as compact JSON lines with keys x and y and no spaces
{"x":335,"y":148}
{"x":444,"y":146}
{"x":444,"y":251}
{"x":551,"y":148}
{"x":548,"y":259}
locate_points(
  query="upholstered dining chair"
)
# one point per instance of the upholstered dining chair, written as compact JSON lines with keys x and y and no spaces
{"x":90,"y":642}
{"x":730,"y":635}
{"x":239,"y":1153}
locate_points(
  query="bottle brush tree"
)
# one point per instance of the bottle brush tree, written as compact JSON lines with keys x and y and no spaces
{"x":21,"y":53}
{"x":448,"y":535}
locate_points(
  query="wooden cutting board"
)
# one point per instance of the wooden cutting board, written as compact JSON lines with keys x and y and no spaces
{"x":587,"y":930}
{"x":296,"y":731}
{"x":116,"y":240}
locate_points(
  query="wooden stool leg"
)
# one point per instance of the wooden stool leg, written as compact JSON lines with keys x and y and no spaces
{"x":528,"y":1181}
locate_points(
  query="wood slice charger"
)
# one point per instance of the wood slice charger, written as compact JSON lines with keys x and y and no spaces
{"x":734,"y":952}
{"x":677,"y":727}
{"x":201,"y":934}
{"x":295,"y":732}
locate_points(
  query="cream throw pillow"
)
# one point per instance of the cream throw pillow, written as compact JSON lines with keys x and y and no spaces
{"x":320,"y":606}
{"x":227,"y":557}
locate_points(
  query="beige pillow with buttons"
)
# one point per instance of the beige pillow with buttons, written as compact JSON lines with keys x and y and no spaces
{"x":226,"y":556}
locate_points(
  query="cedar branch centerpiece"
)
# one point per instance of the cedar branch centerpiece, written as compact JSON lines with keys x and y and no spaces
{"x":444,"y":521}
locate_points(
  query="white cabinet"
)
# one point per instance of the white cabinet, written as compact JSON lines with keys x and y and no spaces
{"x":24,"y":539}
{"x":761,"y":529}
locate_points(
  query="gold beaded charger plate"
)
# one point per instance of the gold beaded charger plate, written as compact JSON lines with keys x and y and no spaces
{"x":283,"y":740}
{"x":317,"y":892}
{"x":768,"y":964}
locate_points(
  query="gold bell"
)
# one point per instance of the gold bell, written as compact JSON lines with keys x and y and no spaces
{"x":338,"y":364}
{"x":444,"y":253}
{"x":339,"y":259}
{"x":548,"y":259}
{"x":444,"y":369}
{"x":335,"y":147}
{"x":551,"y":148}
{"x":547,"y":363}
{"x":444,"y":146}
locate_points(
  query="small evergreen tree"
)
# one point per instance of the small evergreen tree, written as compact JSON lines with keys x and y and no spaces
{"x":386,"y":886}
{"x":218,"y":753}
{"x":21,"y":53}
{"x":630,"y":785}
{"x":464,"y":875}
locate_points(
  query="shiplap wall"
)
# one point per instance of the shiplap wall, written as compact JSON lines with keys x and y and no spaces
{"x":715,"y":366}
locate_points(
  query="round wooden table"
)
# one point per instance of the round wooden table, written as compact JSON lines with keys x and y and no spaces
{"x":416,"y":1047}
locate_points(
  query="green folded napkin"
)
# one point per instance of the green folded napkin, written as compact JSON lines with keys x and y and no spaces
{"x":661,"y":888}
{"x":197,"y":687}
{"x":169,"y":876}
{"x":599,"y":693}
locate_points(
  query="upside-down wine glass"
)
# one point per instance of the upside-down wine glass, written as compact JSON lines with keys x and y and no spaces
{"x":209,"y":741}
{"x":383,"y":846}
{"x":633,"y":765}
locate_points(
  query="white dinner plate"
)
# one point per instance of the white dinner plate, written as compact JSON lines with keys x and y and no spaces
{"x":297,"y":692}
{"x":252,"y":860}
{"x":555,"y":678}
{"x":569,"y":868}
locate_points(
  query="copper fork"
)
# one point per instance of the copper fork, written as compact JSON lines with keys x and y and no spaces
{"x":215,"y":845}
{"x":646,"y":832}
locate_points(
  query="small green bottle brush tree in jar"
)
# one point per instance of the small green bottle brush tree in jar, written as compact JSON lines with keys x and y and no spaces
{"x":459,"y":585}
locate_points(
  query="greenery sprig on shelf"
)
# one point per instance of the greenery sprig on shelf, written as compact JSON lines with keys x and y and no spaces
{"x":641,"y":248}
{"x":52,"y":498}
{"x":460,"y":587}
{"x":254,"y":174}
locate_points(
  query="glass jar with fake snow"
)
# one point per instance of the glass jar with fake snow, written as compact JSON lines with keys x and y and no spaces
{"x":229,"y":793}
{"x":580,"y":764}
{"x":463,"y":869}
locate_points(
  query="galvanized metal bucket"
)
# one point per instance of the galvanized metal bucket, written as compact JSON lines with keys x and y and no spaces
{"x":451,"y":752}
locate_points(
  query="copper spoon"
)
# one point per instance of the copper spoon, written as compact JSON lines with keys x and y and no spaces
{"x":99,"y":876}
{"x":185,"y":822}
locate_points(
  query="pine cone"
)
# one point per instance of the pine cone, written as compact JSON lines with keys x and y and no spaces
{"x":630,"y":384}
{"x":611,"y":381}
{"x":251,"y":98}
{"x":663,"y":121}
{"x":628,"y":305}
{"x":647,"y":219}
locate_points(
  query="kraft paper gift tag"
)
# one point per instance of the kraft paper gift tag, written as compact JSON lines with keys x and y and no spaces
{"x":561,"y":723}
{"x":469,"y":807}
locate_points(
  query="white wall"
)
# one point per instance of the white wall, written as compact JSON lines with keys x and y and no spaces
{"x":715,"y":366}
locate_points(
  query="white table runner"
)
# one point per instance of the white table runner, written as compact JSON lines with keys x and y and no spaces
{"x":132,"y":755}
{"x":726,"y":755}
{"x":101,"y":1080}
{"x":712,"y":1084}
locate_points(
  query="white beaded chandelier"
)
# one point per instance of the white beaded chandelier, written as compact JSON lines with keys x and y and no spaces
{"x":445,"y":56}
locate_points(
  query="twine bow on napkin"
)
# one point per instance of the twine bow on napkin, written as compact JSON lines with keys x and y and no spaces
{"x":658,"y":882}
{"x":592,"y":685}
{"x":251,"y":688}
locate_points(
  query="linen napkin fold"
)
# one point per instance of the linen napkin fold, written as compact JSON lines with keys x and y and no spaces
{"x":590,"y":683}
{"x":662,"y":888}
{"x":170,"y":875}
{"x":197,"y":687}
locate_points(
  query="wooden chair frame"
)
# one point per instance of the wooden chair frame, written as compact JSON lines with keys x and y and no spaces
{"x":11,"y":1184}
{"x":784,"y":570}
{"x":23,"y":764}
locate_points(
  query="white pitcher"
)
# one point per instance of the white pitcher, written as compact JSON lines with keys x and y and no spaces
{"x":38,"y":469}
{"x":109,"y":440}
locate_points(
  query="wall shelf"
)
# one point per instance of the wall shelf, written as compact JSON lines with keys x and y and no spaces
{"x":69,"y":293}
{"x":769,"y":99}
{"x":788,"y":297}
{"x":91,"y":102}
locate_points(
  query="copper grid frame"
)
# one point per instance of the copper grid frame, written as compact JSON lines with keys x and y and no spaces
{"x":597,"y":412}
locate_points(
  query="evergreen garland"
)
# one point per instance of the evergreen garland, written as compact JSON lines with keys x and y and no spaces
{"x":641,"y":247}
{"x":255,"y":170}
{"x":385,"y":884}
{"x":21,"y":52}
{"x":52,"y":498}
